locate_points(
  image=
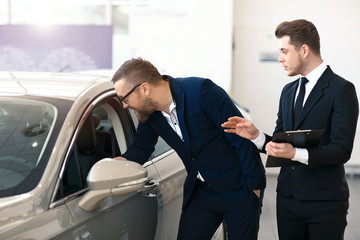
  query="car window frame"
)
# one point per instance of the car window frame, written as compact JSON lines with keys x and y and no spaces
{"x":126,"y":121}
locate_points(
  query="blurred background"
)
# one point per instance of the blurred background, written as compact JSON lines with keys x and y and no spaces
{"x":231,"y":42}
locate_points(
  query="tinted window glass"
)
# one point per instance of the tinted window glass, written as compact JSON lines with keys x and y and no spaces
{"x":95,"y":141}
{"x":161,"y":147}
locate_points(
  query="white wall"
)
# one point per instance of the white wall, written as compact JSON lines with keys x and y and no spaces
{"x":192,"y":40}
{"x":257,"y":84}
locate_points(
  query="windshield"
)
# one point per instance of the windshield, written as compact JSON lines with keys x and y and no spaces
{"x":25,"y":129}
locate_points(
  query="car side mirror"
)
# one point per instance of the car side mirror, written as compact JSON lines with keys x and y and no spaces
{"x":112,"y":177}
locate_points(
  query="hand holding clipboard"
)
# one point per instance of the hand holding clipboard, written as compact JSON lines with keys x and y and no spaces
{"x":300,"y":139}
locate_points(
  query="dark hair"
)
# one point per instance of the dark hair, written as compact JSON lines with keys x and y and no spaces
{"x":300,"y":32}
{"x":136,"y":71}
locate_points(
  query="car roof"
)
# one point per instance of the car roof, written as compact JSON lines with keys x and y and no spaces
{"x":58,"y":85}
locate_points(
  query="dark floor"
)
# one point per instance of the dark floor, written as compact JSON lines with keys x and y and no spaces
{"x":268,"y":228}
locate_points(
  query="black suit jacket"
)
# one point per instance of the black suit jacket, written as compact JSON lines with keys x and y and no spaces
{"x":333,"y":106}
{"x":229,"y":163}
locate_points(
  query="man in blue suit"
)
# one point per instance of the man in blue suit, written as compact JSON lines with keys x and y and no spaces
{"x":226,"y":177}
{"x":312,"y":195}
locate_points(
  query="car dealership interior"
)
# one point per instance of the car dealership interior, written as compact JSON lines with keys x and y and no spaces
{"x":231,"y":42}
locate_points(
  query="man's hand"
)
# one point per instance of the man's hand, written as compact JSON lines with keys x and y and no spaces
{"x":282,"y":150}
{"x":242,"y":127}
{"x":257,"y":192}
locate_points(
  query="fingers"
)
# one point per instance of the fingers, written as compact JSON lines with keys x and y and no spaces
{"x":284,"y":150}
{"x":257,"y":192}
{"x":235,"y":118}
{"x":273,"y":149}
{"x":268,"y":150}
{"x":233,"y":121}
{"x":229,"y":124}
{"x":230,"y":130}
{"x":241,"y":126}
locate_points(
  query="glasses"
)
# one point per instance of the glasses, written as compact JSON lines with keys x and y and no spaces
{"x":123,"y":99}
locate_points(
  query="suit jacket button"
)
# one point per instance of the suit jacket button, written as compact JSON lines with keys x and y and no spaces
{"x":293,"y":167}
{"x":193,"y":159}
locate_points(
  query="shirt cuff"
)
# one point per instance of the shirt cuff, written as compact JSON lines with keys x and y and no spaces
{"x":301,"y":155}
{"x":259,"y":141}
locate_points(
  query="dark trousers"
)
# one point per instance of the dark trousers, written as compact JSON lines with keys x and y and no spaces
{"x":311,"y":220}
{"x":206,"y":210}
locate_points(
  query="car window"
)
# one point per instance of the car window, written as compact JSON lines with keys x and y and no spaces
{"x":106,"y":132}
{"x":25,"y":129}
{"x":84,"y":154}
{"x":72,"y":180}
{"x":161,"y":147}
{"x":100,"y":136}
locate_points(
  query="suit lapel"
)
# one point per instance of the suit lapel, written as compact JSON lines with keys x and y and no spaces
{"x":180,"y":112}
{"x":289,"y":107}
{"x":315,"y":95}
{"x":159,"y":122}
{"x":179,"y":97}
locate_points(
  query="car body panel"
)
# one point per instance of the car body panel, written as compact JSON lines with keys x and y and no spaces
{"x":57,"y":85}
{"x":171,"y":188}
{"x":44,"y":225}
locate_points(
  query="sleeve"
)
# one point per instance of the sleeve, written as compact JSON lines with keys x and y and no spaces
{"x":259,"y":141}
{"x":279,"y":122}
{"x":343,"y":121}
{"x":217,"y":104}
{"x":144,"y":144}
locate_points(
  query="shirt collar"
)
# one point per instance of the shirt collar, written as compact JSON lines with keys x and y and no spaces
{"x":171,"y":108}
{"x":315,"y":74}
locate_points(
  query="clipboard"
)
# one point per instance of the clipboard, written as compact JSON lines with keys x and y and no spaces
{"x":300,"y":139}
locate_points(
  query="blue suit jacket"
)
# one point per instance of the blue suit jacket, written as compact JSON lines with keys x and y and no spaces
{"x":229,"y":163}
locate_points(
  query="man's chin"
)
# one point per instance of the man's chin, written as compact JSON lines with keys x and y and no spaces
{"x":142,"y":117}
{"x":291,"y":74}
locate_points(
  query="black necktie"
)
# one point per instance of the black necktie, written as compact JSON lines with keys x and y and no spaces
{"x":300,"y":99}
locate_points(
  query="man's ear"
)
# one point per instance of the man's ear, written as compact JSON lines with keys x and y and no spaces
{"x":146,"y":88}
{"x":305,"y":50}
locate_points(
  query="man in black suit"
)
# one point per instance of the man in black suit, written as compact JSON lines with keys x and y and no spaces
{"x":312,"y":195}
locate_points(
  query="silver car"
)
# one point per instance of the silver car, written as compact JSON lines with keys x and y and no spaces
{"x":59,"y":179}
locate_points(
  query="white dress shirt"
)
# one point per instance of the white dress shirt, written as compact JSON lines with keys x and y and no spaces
{"x":301,"y":154}
{"x":172,"y":119}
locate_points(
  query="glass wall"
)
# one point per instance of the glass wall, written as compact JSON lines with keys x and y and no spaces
{"x":82,"y":12}
{"x":180,"y":37}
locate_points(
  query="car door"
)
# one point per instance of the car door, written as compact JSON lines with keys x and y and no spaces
{"x":171,"y":179}
{"x":105,"y":131}
{"x":172,"y":176}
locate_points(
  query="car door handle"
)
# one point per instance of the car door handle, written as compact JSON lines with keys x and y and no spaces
{"x":150,"y":187}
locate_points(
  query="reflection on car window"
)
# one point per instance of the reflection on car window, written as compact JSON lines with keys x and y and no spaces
{"x":161,"y":147}
{"x":25,"y":128}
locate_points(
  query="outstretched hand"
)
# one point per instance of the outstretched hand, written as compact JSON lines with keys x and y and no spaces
{"x":242,"y":127}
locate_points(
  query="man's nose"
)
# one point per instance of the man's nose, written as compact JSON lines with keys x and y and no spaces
{"x":125,"y":105}
{"x":280,"y":58}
